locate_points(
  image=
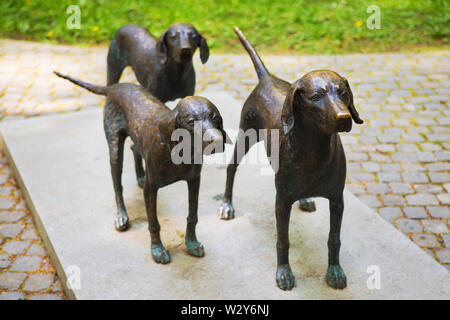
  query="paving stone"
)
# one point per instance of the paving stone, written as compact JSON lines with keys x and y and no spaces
{"x":389,"y":176}
{"x":435,"y":226}
{"x":4,"y":264}
{"x":416,"y":177}
{"x":444,"y":198}
{"x":11,"y":216}
{"x":426,"y":157}
{"x":401,"y":188}
{"x":13,"y":295}
{"x":390,"y":213}
{"x":10,"y":230}
{"x":415,"y":212}
{"x":370,"y":166}
{"x":38,"y":282}
{"x":439,"y":177}
{"x":390,"y":167}
{"x":404,"y":157}
{"x":443,"y":255}
{"x":377,"y":188}
{"x":425,"y":240}
{"x":371,"y":201}
{"x":387,"y":148}
{"x":408,"y":225}
{"x":361,"y":176}
{"x":30,"y":233}
{"x":11,"y":280}
{"x":439,"y":212}
{"x":423,"y":199}
{"x":446,"y":238}
{"x":25,"y":263}
{"x":442,"y":155}
{"x":37,"y":250}
{"x":6,"y":203}
{"x":392,"y":200}
{"x":15,"y":247}
{"x":356,"y":188}
{"x":428,"y":188}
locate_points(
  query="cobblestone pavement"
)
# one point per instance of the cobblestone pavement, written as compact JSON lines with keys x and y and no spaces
{"x":398,"y":161}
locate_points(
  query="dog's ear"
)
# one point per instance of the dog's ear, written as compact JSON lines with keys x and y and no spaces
{"x":161,"y":48}
{"x":204,"y":49}
{"x":287,"y":113}
{"x":166,"y":128}
{"x":351,"y":106}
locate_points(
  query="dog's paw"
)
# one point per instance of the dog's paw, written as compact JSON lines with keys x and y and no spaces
{"x":160,"y":254}
{"x":226,"y":211}
{"x":336,"y":277}
{"x":121,"y":222}
{"x":195,"y":248}
{"x":307,"y":205}
{"x":285,"y":277}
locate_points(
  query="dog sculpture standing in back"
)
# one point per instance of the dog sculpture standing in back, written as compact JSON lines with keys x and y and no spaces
{"x":163,"y":67}
{"x":309,"y":114}
{"x":132,"y":111}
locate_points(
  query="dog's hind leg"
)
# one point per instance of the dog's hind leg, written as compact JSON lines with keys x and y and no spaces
{"x":115,"y":63}
{"x":194,"y":247}
{"x":226,"y":210}
{"x":115,"y":136}
{"x":159,"y":253}
{"x":335,"y":275}
{"x":139,"y":168}
{"x":284,"y":276}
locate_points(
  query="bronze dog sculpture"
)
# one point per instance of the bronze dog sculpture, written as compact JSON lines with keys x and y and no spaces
{"x":309,"y":114}
{"x":132,"y":111}
{"x":164,"y":67}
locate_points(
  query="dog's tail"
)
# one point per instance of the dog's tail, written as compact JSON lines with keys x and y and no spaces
{"x":260,"y":68}
{"x":90,"y":87}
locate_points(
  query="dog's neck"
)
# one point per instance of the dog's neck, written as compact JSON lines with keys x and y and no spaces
{"x":178,"y":70}
{"x":314,"y":144}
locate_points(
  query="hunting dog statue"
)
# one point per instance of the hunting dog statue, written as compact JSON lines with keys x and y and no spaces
{"x":132,"y":111}
{"x":308,"y":113}
{"x":162,"y":66}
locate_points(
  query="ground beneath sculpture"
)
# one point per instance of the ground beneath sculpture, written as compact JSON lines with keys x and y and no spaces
{"x":63,"y":166}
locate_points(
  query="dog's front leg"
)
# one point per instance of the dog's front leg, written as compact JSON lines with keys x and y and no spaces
{"x":335,"y":275}
{"x":194,"y":247}
{"x":285,"y":278}
{"x":159,"y":253}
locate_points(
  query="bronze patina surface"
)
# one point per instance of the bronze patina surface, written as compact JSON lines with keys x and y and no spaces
{"x":132,"y":111}
{"x":308,"y":113}
{"x":163,"y":66}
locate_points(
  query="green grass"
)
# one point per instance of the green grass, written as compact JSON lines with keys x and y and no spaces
{"x":276,"y":26}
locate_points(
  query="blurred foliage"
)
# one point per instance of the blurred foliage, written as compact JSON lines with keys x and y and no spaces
{"x":277,"y":26}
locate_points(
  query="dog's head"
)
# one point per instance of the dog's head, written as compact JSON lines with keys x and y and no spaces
{"x":322,"y":99}
{"x":179,"y":42}
{"x":201,"y":122}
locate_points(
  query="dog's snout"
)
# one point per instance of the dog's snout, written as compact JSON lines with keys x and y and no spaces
{"x":343,"y":118}
{"x":186,"y":51}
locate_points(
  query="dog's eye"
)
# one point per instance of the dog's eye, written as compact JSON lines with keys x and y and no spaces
{"x":193,"y":36}
{"x":191,"y":122}
{"x":316,"y":97}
